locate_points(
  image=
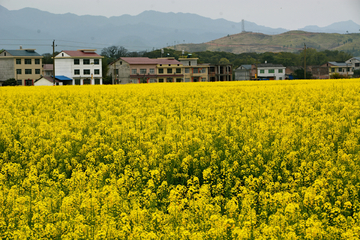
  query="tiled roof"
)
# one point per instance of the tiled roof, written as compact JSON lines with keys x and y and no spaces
{"x":82,"y":54}
{"x":339,"y":64}
{"x":23,"y":53}
{"x":246,"y":66}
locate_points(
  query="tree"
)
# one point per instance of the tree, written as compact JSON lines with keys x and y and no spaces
{"x":114,"y":52}
{"x":224,"y":61}
{"x":299,"y":74}
{"x":47,"y":58}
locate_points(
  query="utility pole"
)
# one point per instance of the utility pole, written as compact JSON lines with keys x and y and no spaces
{"x":53,"y":46}
{"x":304,"y":61}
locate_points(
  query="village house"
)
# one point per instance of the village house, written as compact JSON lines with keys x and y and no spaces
{"x":354,"y":62}
{"x":193,"y":71}
{"x":220,"y":72}
{"x":270,"y":71}
{"x":23,"y":65}
{"x":243,"y":72}
{"x":79,"y":67}
{"x":342,"y":68}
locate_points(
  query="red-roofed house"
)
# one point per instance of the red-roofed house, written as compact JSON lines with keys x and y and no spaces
{"x":82,"y":67}
{"x":145,"y":70}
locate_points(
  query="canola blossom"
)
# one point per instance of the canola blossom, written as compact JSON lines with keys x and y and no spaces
{"x":224,"y":160}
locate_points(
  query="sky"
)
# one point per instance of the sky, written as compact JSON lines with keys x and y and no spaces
{"x":288,"y":14}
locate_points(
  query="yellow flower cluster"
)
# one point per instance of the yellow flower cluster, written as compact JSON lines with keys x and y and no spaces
{"x":225,"y":160}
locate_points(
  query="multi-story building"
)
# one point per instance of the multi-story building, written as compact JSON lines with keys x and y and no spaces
{"x":24,"y":65}
{"x":270,"y":71}
{"x":169,"y":70}
{"x":220,"y":72}
{"x":342,"y":68}
{"x":79,"y":67}
{"x":145,"y":70}
{"x":243,"y":72}
{"x":193,"y":71}
{"x":133,"y":70}
{"x":354,"y":62}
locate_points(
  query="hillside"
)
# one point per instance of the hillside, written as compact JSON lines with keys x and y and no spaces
{"x":291,"y":41}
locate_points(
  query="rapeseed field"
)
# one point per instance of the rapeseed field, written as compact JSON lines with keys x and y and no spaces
{"x":227,"y":160}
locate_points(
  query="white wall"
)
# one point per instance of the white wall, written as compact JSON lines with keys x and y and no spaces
{"x":276,"y":75}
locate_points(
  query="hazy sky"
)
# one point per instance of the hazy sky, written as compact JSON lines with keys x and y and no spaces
{"x":289,"y":14}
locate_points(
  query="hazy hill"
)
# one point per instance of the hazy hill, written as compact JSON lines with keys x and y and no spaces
{"x":33,"y":28}
{"x":291,"y":41}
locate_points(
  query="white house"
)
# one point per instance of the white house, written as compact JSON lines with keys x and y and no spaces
{"x":47,"y":81}
{"x":271,"y":71}
{"x":354,"y":62}
{"x":80,"y":67}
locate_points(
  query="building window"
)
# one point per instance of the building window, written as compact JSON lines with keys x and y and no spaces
{"x":96,"y":71}
{"x":77,"y":81}
{"x":348,"y":69}
{"x":262,"y":71}
{"x":178,"y":80}
{"x":27,"y":61}
{"x":87,"y":81}
{"x":178,"y":70}
{"x":152,"y":80}
{"x":151,"y":70}
{"x":28,"y":71}
{"x":271,"y":71}
{"x":169,"y":80}
{"x":18,"y":71}
{"x":161,"y":80}
{"x":37,"y":71}
{"x":332,"y":69}
{"x":142,"y":71}
{"x":76,"y":61}
{"x":37,"y":61}
{"x":161,"y":70}
{"x":169,"y":70}
{"x":97,"y":81}
{"x":18,"y":61}
{"x":76,"y":71}
{"x":340,"y":70}
{"x":203,"y":79}
{"x":96,"y":61}
{"x":187,"y":79}
{"x":357,"y":64}
{"x":133,"y":71}
{"x":203,"y":70}
{"x":280,"y":78}
{"x":86,"y":71}
{"x":187,"y":70}
{"x":86,"y":61}
{"x":19,"y":82}
{"x":280,"y":71}
{"x":195,"y":70}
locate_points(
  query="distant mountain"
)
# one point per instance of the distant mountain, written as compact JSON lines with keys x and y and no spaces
{"x":33,"y":28}
{"x":339,"y":27}
{"x":291,"y":41}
